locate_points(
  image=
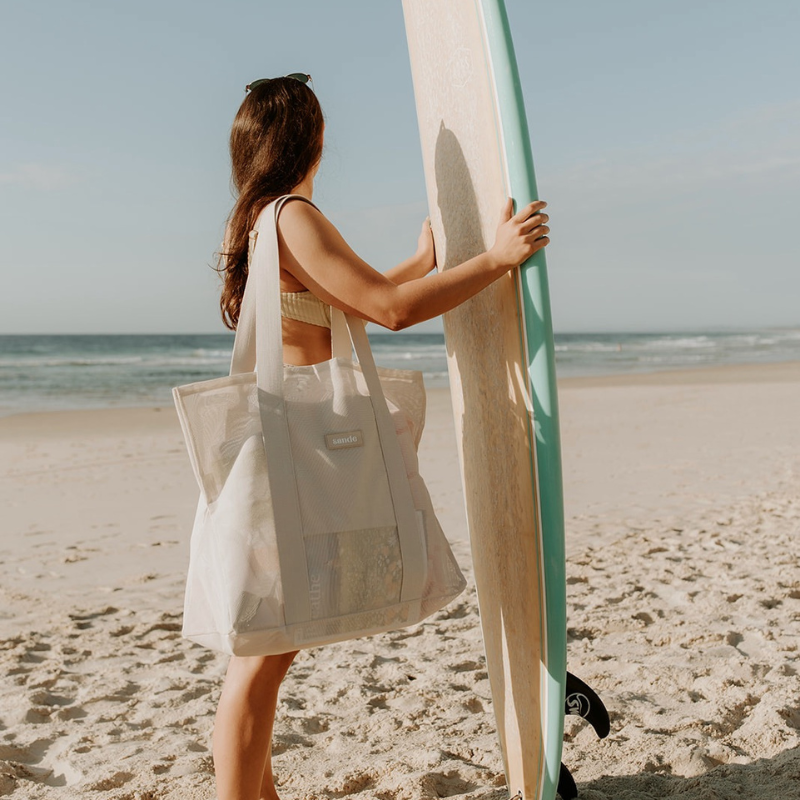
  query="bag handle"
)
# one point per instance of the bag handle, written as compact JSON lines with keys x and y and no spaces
{"x":268,"y":329}
{"x":243,"y":358}
{"x":259,"y":334}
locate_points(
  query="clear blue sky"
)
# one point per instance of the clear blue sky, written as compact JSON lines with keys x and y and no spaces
{"x":666,"y":138}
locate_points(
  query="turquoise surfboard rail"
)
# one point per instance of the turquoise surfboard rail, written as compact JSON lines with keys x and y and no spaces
{"x":542,"y":379}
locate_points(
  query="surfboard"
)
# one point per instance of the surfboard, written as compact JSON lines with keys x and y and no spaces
{"x":476,"y":152}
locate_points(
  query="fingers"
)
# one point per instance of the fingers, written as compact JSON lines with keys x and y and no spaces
{"x":507,"y":211}
{"x":529,"y":210}
{"x":539,"y":244}
{"x":521,"y":235}
{"x":534,"y":222}
{"x":538,"y":233}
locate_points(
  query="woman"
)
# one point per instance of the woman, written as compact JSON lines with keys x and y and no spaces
{"x":276,"y":146}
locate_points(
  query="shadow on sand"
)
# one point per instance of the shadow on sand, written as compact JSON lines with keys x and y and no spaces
{"x":776,"y":778}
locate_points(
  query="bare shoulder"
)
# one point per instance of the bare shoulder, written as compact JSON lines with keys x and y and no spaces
{"x":303,"y":225}
{"x":299,"y":215}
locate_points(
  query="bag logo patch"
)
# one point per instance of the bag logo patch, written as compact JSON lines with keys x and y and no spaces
{"x":339,"y":441}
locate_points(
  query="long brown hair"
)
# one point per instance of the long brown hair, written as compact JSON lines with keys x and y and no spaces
{"x":276,"y":140}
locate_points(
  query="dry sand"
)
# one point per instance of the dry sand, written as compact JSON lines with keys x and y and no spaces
{"x":683,"y":510}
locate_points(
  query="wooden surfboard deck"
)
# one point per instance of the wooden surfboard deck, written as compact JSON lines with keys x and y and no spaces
{"x":476,"y":153}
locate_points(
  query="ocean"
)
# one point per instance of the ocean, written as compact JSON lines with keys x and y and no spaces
{"x":40,"y":373}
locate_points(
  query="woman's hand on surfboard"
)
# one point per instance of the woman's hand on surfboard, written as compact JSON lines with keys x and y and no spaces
{"x":519,"y":235}
{"x":426,"y":252}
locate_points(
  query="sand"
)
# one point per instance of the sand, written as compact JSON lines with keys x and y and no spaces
{"x":683,"y":511}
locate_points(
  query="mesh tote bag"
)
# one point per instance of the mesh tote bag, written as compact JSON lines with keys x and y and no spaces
{"x":313,"y":524}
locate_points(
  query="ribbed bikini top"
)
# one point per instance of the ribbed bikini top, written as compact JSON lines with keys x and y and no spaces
{"x":305,"y":307}
{"x":300,"y":306}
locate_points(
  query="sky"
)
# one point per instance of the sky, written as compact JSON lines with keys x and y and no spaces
{"x":666,"y":138}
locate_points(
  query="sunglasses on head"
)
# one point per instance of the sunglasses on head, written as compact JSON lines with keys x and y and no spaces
{"x":298,"y":76}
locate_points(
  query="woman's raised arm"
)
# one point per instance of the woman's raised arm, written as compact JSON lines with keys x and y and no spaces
{"x":316,"y":254}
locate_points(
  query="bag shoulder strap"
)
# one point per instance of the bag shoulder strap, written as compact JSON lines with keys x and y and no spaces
{"x":243,"y":358}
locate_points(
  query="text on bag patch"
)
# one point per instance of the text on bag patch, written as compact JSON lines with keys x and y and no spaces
{"x":338,"y":441}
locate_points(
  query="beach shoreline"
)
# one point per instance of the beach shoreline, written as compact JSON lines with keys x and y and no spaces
{"x":773,"y":372}
{"x":755,"y":372}
{"x":682,"y":516}
{"x":97,"y":371}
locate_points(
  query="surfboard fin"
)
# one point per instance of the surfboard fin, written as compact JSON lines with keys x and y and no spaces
{"x":582,"y":701}
{"x":567,"y":790}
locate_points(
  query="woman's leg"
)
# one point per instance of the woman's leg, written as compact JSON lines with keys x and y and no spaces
{"x":243,"y":727}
